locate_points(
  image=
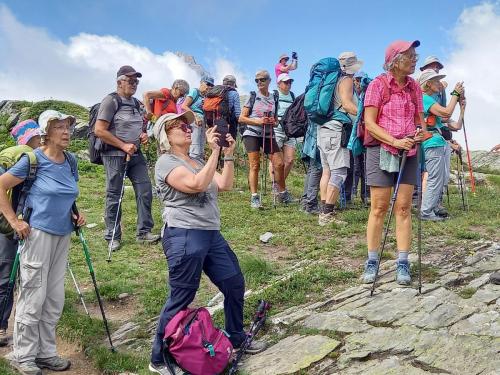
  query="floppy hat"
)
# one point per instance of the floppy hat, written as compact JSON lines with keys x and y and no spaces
{"x":283,"y":77}
{"x":429,"y":60}
{"x":24,"y":131}
{"x":398,"y":46}
{"x":429,"y":74}
{"x":349,"y":62}
{"x":159,"y":128}
{"x":50,"y":115}
{"x":283,"y":56}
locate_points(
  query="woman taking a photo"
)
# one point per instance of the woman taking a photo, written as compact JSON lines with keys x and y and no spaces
{"x":192,"y":241}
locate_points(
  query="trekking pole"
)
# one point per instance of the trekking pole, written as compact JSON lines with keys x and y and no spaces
{"x":472,"y":180}
{"x":464,"y":187}
{"x":419,"y":217}
{"x":110,"y":246}
{"x":459,"y":182}
{"x":257,"y":324}
{"x":448,"y":195}
{"x":79,"y":232}
{"x":80,"y":295}
{"x":263,"y":167}
{"x":393,"y":201}
{"x":15,"y":267}
{"x":273,"y":179}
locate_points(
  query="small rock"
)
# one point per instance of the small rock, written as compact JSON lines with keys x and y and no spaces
{"x":266,"y":237}
{"x":91,"y":225}
{"x":123,"y":295}
{"x":479,"y":282}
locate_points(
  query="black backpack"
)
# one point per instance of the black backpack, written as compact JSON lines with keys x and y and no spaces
{"x":96,"y":145}
{"x":294,"y":121}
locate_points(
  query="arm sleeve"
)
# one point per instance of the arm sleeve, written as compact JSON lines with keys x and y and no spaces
{"x":428,"y":101}
{"x":107,"y":109}
{"x":165,"y":165}
{"x":21,"y":168}
{"x":235,"y":97}
{"x":373,"y":95}
{"x":192,"y":93}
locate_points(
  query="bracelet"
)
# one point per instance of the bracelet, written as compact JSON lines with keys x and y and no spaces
{"x":228,"y":158}
{"x":455,"y":93}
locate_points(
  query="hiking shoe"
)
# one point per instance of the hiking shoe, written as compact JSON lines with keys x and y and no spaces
{"x":162,"y":369}
{"x":255,"y":202}
{"x":441,"y":211}
{"x":311,"y":210}
{"x":4,"y":337}
{"x":285,"y":197}
{"x":26,"y":368}
{"x":327,"y":218}
{"x":255,"y":347}
{"x":403,"y":273}
{"x":370,"y":271}
{"x":148,"y":238}
{"x":432,"y":217}
{"x":116,"y":245}
{"x":53,"y":363}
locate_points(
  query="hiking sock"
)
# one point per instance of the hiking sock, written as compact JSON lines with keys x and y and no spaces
{"x":373,"y":255}
{"x":327,"y":208}
{"x":402,"y":256}
{"x":255,"y":194}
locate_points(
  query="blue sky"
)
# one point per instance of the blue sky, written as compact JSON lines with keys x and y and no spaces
{"x":71,"y":49}
{"x":254,"y":33}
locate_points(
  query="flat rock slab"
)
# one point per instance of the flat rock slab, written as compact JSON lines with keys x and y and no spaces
{"x":290,"y":355}
{"x":336,"y":321}
{"x":389,"y":366}
{"x":483,"y":324}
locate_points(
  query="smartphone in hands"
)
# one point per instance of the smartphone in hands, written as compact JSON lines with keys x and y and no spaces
{"x":222,"y":127}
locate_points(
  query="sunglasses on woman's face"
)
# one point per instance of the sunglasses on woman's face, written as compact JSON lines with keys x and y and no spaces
{"x":262,"y":80}
{"x":184,"y":127}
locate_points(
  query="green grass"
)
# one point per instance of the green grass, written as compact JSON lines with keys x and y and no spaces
{"x":63,"y":106}
{"x":467,"y":292}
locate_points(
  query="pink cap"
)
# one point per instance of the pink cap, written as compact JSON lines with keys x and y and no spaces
{"x":397,"y":47}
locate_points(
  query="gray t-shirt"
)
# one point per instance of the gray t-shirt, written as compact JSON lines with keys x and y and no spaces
{"x":262,"y":104}
{"x":126,"y":123}
{"x":182,"y":210}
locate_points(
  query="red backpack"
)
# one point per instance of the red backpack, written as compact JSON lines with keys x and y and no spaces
{"x":363,"y":134}
{"x":196,"y":344}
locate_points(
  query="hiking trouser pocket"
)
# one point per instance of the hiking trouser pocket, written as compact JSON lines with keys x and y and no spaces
{"x":31,"y":275}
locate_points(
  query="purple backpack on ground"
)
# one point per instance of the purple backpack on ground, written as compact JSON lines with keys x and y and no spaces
{"x":196,"y":344}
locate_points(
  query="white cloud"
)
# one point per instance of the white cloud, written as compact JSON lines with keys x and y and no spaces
{"x":475,"y":61}
{"x":36,"y":66}
{"x":223,"y":67}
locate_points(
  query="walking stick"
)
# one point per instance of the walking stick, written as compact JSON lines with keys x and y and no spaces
{"x":80,"y":295}
{"x":472,"y":180}
{"x":273,"y":179}
{"x":393,"y":201}
{"x":419,"y":217}
{"x":110,"y":246}
{"x":79,"y":232}
{"x":263,"y":168}
{"x":462,"y":180}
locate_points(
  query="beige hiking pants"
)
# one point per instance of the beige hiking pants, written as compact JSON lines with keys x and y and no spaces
{"x":41,"y":295}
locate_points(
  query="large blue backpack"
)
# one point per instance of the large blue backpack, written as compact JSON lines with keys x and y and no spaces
{"x":320,"y":92}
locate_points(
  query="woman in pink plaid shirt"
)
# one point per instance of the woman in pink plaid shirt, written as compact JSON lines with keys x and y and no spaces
{"x":393,"y":110}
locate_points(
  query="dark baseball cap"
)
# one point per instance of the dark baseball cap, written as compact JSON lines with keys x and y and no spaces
{"x":127,"y":70}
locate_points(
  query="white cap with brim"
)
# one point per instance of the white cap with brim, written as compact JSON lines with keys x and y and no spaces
{"x":429,"y":74}
{"x":159,"y":128}
{"x":50,"y":115}
{"x":283,"y":77}
{"x":429,"y":60}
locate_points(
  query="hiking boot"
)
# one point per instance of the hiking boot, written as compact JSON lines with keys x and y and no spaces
{"x":26,"y":368}
{"x":159,"y":369}
{"x":4,"y":337}
{"x":370,"y":271}
{"x":53,"y":363}
{"x":329,"y":217}
{"x":311,"y":210}
{"x":285,"y":197}
{"x":148,"y":238}
{"x":403,"y":273}
{"x":116,"y":245}
{"x":432,"y":217}
{"x":441,"y":211}
{"x":255,"y":202}
{"x":255,"y":347}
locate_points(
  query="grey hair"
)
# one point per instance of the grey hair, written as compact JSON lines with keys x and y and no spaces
{"x":181,"y":84}
{"x":121,"y":78}
{"x":389,"y":66}
{"x":263,"y":73}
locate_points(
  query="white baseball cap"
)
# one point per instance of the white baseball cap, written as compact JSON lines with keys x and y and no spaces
{"x":429,"y":60}
{"x":283,"y":77}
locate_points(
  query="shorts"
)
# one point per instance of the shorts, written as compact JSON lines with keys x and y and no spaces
{"x":379,"y":178}
{"x":283,"y":140}
{"x":333,"y":156}
{"x":254,"y":144}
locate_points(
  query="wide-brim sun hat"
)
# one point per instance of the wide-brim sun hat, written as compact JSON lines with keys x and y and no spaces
{"x":429,"y":74}
{"x":159,"y":127}
{"x":429,"y":60}
{"x":349,"y":62}
{"x":283,"y":56}
{"x":50,"y":115}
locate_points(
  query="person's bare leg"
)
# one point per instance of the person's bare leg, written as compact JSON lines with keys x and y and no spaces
{"x":288,"y":159}
{"x":380,"y":198}
{"x":402,"y":212}
{"x":253,"y":171}
{"x":277,"y":162}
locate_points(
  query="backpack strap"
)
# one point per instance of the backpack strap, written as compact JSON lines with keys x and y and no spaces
{"x":28,"y":182}
{"x":72,"y":163}
{"x":292,"y":95}
{"x":253,"y":96}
